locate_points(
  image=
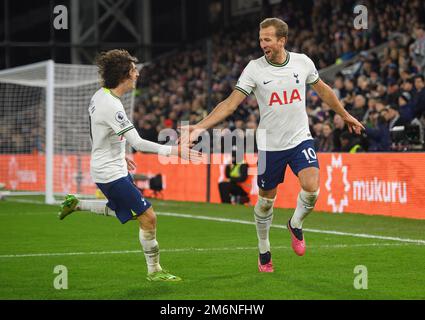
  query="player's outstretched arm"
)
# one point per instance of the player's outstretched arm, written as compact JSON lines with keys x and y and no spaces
{"x":328,"y":96}
{"x":143,"y":145}
{"x":224,"y":109}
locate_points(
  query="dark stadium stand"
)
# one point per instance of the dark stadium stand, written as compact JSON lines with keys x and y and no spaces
{"x":380,"y":89}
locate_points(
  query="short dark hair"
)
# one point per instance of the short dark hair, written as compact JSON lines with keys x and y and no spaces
{"x":280,"y":26}
{"x":114,"y":66}
{"x":345,"y":135}
{"x":394,"y":107}
{"x":419,"y":76}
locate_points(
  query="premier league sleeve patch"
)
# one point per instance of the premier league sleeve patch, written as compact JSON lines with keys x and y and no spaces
{"x":120,"y":116}
{"x":123,"y":122}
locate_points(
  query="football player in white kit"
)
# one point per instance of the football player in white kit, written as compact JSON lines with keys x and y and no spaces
{"x":278,"y":80}
{"x":109,"y":130}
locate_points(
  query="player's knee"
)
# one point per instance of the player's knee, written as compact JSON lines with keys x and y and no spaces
{"x":264,"y":206}
{"x":148,"y":220}
{"x":151,"y":220}
{"x":312,"y":185}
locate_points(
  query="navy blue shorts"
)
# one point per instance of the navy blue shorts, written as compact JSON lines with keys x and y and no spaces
{"x":124,"y":198}
{"x":272,"y":164}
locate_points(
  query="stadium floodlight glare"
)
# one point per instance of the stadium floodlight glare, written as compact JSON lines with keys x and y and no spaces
{"x":44,"y":128}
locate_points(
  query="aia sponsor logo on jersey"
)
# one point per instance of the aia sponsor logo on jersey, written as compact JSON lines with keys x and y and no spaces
{"x":287,"y":97}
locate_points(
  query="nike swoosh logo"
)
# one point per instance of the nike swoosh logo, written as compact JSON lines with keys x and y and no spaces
{"x":312,"y":161}
{"x":266,"y":82}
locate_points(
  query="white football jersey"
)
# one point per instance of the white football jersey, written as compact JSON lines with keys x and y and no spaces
{"x":280,"y":93}
{"x":108,"y":123}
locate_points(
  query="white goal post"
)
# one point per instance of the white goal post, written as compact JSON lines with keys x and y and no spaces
{"x":44,"y":128}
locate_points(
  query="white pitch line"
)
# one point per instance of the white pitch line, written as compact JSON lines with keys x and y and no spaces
{"x":26,"y":201}
{"x":61,"y":254}
{"x":339,"y":233}
{"x":90,"y":253}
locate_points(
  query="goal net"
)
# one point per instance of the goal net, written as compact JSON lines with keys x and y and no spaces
{"x":44,"y":128}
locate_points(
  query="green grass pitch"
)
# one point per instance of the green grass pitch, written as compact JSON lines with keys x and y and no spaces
{"x":216,"y":259}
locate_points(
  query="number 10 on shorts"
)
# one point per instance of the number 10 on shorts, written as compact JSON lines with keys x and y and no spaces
{"x":310,"y":155}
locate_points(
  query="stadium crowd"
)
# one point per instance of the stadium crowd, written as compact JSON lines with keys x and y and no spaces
{"x":382,"y":91}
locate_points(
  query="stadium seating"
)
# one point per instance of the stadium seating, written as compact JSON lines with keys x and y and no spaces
{"x":175,"y":89}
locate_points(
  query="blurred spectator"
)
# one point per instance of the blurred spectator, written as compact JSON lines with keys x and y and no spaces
{"x":317,"y":129}
{"x":378,"y":134}
{"x":370,"y":121}
{"x":339,"y":128}
{"x":350,"y":143}
{"x":339,"y":86}
{"x":408,"y":86}
{"x":326,"y":143}
{"x":148,"y":131}
{"x":359,"y":107}
{"x":406,"y":107}
{"x":392,"y":117}
{"x":417,"y":50}
{"x":391,"y":74}
{"x":419,"y":100}
{"x":371,"y":107}
{"x":392,"y":92}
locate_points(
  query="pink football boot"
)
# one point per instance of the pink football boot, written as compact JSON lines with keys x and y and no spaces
{"x":268,"y":267}
{"x":297,"y":239}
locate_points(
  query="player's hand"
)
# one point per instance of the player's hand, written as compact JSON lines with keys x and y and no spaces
{"x":189,"y":134}
{"x":131,"y":165}
{"x":183,"y":151}
{"x":353,"y":124}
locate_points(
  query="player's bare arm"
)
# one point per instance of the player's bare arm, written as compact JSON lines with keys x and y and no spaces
{"x":224,"y":109}
{"x":328,"y":96}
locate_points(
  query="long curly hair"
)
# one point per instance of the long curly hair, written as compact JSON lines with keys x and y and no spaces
{"x":114,"y":67}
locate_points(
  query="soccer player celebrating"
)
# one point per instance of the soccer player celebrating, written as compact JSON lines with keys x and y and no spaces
{"x":109,"y":130}
{"x":278,"y":80}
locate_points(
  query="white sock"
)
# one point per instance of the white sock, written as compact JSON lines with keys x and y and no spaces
{"x":96,"y":206}
{"x":150,"y":249}
{"x":263,"y":214}
{"x":305,"y":204}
